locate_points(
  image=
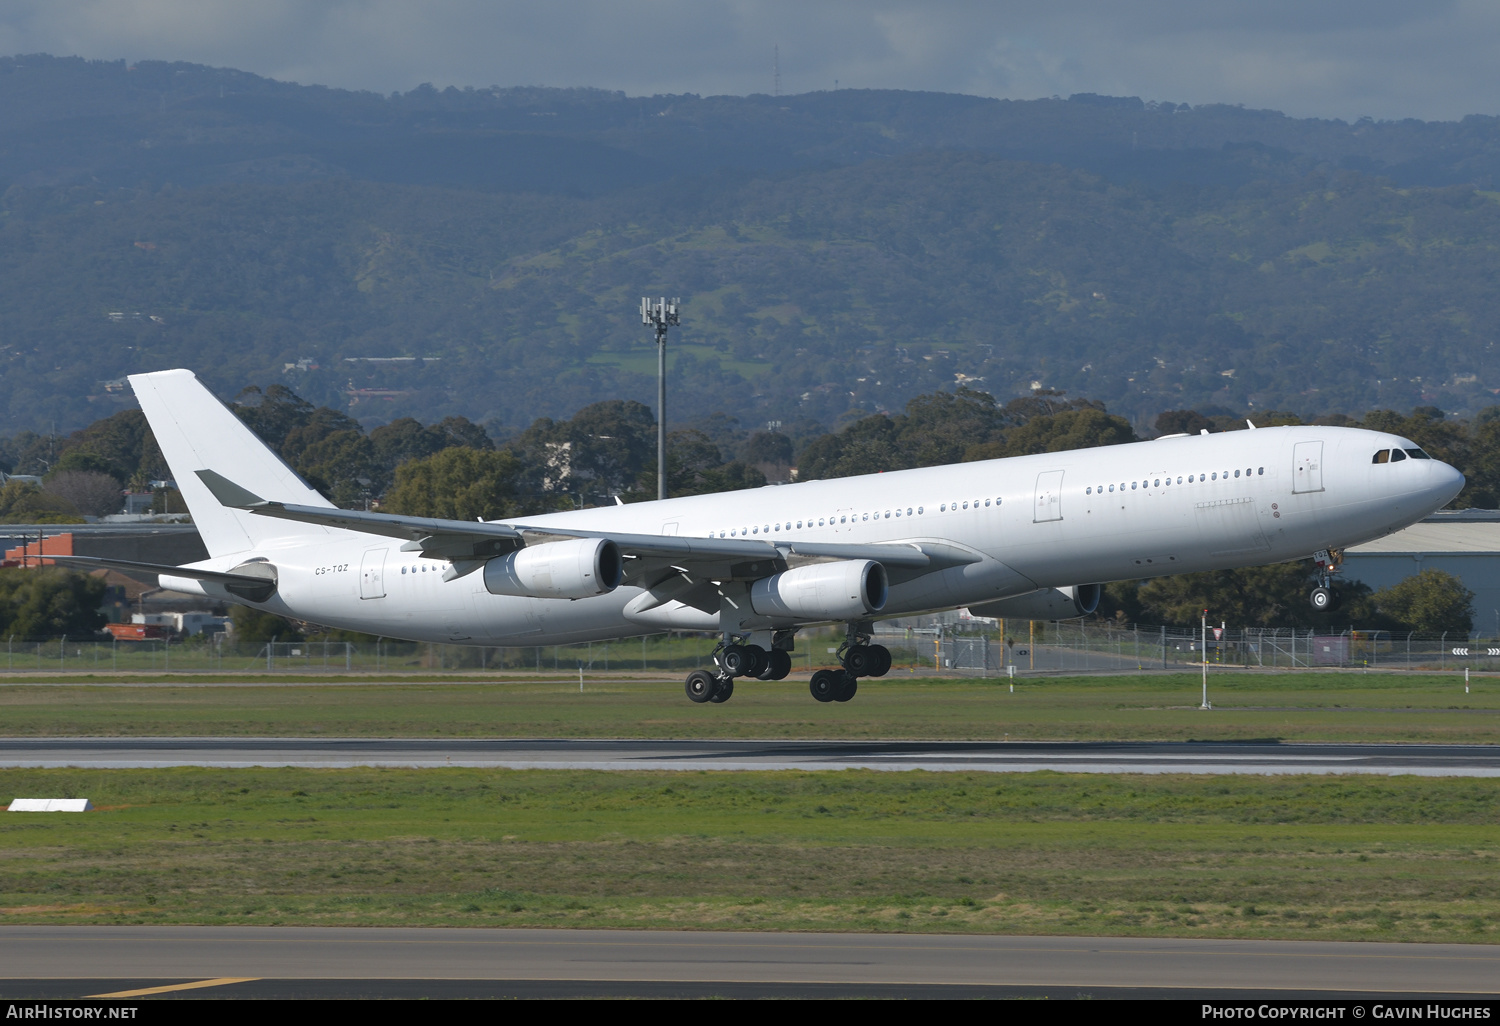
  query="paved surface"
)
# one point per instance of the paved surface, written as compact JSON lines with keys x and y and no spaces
{"x":1083,"y":757}
{"x":124,"y":958}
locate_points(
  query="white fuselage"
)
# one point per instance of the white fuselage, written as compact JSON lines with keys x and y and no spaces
{"x":1088,"y":516}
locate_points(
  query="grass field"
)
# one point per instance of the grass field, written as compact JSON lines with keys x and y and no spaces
{"x":1301,"y":707}
{"x":1306,"y":857}
{"x":1391,"y":858}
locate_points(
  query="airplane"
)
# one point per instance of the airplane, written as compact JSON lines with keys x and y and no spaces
{"x":1031,"y":537}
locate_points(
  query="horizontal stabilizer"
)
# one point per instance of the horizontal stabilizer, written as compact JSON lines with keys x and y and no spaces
{"x":253,"y":587}
{"x":227,"y":492}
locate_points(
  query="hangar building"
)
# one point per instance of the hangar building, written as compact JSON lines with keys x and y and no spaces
{"x":1464,"y":543}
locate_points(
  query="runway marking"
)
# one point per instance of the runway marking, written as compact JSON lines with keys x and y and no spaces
{"x":195,"y":985}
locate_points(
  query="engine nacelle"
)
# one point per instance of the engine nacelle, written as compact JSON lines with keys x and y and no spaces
{"x":845,"y":590}
{"x":580,"y":568}
{"x":1047,"y":604}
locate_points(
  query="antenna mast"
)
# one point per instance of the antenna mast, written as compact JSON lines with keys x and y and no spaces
{"x":660,"y":316}
{"x":776,"y":70}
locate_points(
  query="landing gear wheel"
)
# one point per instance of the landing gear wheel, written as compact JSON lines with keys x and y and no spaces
{"x":724,"y":692}
{"x":779,"y":664}
{"x":743,"y":660}
{"x":701,"y":686}
{"x":880,"y":661}
{"x":826,"y":684}
{"x":851,"y":685}
{"x":735,"y":660}
{"x":859,"y":661}
{"x":1323,"y":599}
{"x":761,"y":660}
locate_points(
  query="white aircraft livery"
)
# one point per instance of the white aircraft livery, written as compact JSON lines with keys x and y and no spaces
{"x":1030,"y":536}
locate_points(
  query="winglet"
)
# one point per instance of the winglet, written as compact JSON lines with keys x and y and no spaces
{"x":227,"y":492}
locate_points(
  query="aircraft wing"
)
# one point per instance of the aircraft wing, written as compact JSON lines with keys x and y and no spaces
{"x":468,"y":544}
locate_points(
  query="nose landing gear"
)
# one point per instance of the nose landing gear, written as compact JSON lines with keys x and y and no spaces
{"x":1325,"y":598}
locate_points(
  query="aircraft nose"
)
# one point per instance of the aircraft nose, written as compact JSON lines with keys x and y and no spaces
{"x":1444,"y":483}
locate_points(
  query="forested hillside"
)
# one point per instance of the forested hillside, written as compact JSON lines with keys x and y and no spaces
{"x":481,"y":253}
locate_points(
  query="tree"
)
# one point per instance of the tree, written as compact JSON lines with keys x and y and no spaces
{"x":456,"y":484}
{"x":344,"y":466}
{"x":771,"y":447}
{"x":1059,"y":432}
{"x":254,"y":625}
{"x":84,"y":461}
{"x":92,"y":493}
{"x":22,"y":502}
{"x":1432,"y":600}
{"x":1180,"y":422}
{"x":50,"y":601}
{"x":1258,"y":596}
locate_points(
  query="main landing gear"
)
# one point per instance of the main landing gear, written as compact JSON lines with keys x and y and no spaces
{"x":737,"y":660}
{"x":859,"y":659}
{"x":1324,"y":598}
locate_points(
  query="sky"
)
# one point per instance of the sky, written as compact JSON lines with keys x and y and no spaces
{"x":1385,"y":59}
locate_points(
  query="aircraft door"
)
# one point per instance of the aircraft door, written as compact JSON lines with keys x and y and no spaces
{"x":1048,"y":504}
{"x":372,"y":574}
{"x":1308,"y":473}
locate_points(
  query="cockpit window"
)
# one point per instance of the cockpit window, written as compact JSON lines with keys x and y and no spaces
{"x":1397,"y":455}
{"x":1417,"y":454}
{"x":1383,"y":456}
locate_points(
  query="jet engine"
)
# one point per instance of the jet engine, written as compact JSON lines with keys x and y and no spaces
{"x":575,"y":569}
{"x":1047,"y":604}
{"x":845,"y":590}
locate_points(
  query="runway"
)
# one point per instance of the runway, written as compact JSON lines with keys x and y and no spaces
{"x":33,"y":958}
{"x":123,"y":957}
{"x":1252,"y":757}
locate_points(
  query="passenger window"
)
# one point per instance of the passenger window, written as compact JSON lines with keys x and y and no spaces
{"x":1236,"y":473}
{"x":1417,"y":454}
{"x":1397,"y":455}
{"x":1111,"y":487}
{"x":1383,"y":456}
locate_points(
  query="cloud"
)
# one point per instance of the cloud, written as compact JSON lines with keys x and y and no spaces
{"x":1338,"y":58}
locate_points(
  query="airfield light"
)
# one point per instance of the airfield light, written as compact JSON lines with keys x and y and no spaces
{"x":660,"y":315}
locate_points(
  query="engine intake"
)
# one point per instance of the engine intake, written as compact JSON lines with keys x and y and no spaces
{"x":580,"y":568}
{"x":844,"y":590}
{"x":1047,"y":604}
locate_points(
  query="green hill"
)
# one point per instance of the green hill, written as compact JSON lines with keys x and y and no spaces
{"x":481,"y":253}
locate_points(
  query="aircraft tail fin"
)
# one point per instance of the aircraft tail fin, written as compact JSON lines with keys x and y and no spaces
{"x":198,"y":432}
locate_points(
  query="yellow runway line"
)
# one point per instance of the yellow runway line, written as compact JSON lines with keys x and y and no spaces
{"x":195,"y":985}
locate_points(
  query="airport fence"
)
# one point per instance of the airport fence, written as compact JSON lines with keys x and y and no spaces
{"x":1085,"y":646}
{"x":969,"y":648}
